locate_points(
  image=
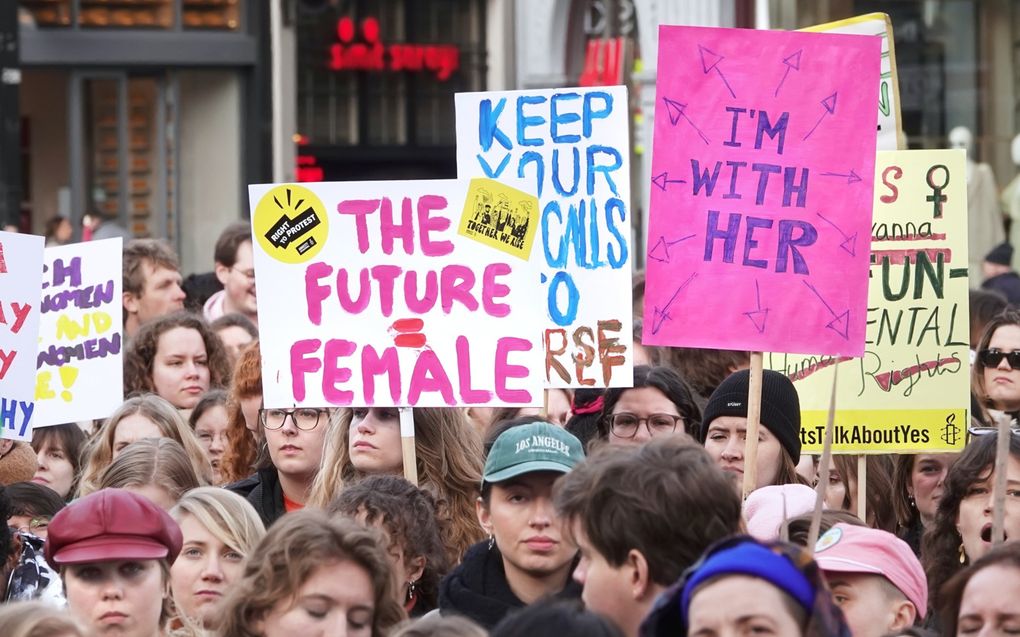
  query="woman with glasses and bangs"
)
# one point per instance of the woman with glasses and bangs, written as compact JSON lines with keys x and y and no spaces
{"x":659,"y":404}
{"x":294,"y":440}
{"x":995,"y":378}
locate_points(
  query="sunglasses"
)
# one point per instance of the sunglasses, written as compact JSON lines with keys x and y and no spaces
{"x":992,"y":358}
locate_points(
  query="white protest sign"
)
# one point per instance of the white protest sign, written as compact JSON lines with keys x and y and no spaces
{"x":21,"y":268}
{"x":396,"y":294}
{"x":80,"y":362}
{"x":571,"y":146}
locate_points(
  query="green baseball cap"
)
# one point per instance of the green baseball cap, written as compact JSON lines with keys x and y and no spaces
{"x":537,"y":446}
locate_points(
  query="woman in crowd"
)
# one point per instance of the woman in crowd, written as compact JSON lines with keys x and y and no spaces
{"x":366,"y":442}
{"x":659,"y":403}
{"x":244,"y":433}
{"x":981,"y":599}
{"x":32,"y":506}
{"x":842,"y":490}
{"x":314,"y":575}
{"x":742,"y":586}
{"x":918,"y":485}
{"x":294,"y":440}
{"x":209,"y":422}
{"x":58,"y":450}
{"x":146,"y":416}
{"x":58,"y":231}
{"x":995,"y":377}
{"x":724,"y":430}
{"x":177,"y":357}
{"x":962,"y":530}
{"x":220,"y":530}
{"x":236,"y":331}
{"x":156,"y":468}
{"x":39,"y":619}
{"x":24,"y":573}
{"x":586,"y":414}
{"x":406,"y":515}
{"x":528,"y":555}
{"x":114,"y":550}
{"x":557,"y":410}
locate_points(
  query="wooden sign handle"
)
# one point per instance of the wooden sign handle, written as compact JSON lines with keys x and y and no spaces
{"x":753,"y":423}
{"x":999,"y":487}
{"x":862,"y":488}
{"x":823,"y":468}
{"x":407,"y":445}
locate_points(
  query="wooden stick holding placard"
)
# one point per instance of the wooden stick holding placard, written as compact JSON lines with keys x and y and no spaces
{"x":753,"y":422}
{"x":544,"y":414}
{"x":862,"y":487}
{"x":407,"y":445}
{"x":999,"y":487}
{"x":823,"y":467}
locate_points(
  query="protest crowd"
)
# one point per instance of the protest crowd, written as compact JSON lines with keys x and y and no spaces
{"x":295,"y":459}
{"x":194,"y":510}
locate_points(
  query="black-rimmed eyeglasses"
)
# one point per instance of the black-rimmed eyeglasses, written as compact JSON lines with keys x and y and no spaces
{"x":626,"y":425}
{"x":304,"y":418}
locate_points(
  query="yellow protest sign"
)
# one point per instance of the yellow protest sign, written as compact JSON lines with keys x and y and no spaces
{"x":910,"y":392}
{"x":890,"y":122}
{"x":499,"y":216}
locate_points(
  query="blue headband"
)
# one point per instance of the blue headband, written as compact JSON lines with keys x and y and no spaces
{"x":751,"y":558}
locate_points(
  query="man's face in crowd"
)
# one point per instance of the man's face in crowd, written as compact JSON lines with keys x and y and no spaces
{"x":161,"y":294}
{"x":239,"y":281}
{"x":869,"y":603}
{"x":606,"y":591}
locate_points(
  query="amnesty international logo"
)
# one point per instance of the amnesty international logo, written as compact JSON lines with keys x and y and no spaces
{"x":951,"y":433}
{"x":290,"y":223}
{"x":500,"y":217}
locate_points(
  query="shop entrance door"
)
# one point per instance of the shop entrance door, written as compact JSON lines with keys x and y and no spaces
{"x":123,"y":150}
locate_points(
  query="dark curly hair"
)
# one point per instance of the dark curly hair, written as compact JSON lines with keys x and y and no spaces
{"x":141,"y":352}
{"x":408,"y":515}
{"x":942,"y":544}
{"x":666,"y":380}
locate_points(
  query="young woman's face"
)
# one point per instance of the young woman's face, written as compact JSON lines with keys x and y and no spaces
{"x":725,"y":441}
{"x":235,"y":339}
{"x":374,"y":441}
{"x":761,"y":611}
{"x":974,"y":518}
{"x":123,"y":598}
{"x":132,"y":429}
{"x":55,"y":469}
{"x":1002,"y":383}
{"x":180,"y":368}
{"x":522,"y":519}
{"x":250,"y":406}
{"x":203,"y":572}
{"x":927,"y":478}
{"x":837,"y":490}
{"x":211,"y":430}
{"x":988,"y":606}
{"x":336,"y":600}
{"x":295,"y":452}
{"x":644,"y":403}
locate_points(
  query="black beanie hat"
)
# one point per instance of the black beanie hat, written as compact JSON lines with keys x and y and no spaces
{"x":1001,"y":254}
{"x":780,"y":407}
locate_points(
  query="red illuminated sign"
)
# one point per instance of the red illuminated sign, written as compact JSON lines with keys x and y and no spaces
{"x":604,"y":62}
{"x":373,"y":55}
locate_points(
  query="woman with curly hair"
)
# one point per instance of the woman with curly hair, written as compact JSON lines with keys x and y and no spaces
{"x":177,"y":357}
{"x":313,"y":574}
{"x":366,"y":442}
{"x":147,"y":416}
{"x":243,"y":431}
{"x":407,"y":517}
{"x":962,"y":530}
{"x":659,"y":403}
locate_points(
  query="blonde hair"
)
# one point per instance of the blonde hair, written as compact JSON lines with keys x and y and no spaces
{"x":449,"y":454}
{"x":38,"y":619}
{"x":159,"y":462}
{"x":226,"y":515}
{"x":293,"y":550}
{"x":99,"y":453}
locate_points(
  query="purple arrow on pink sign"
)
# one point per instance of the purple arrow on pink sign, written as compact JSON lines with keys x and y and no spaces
{"x":763,"y":164}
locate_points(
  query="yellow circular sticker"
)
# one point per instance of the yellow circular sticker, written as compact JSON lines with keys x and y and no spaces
{"x":290,"y":223}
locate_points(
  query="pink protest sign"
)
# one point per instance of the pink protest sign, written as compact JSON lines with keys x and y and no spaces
{"x":762,"y":180}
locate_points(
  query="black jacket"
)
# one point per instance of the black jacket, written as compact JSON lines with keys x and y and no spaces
{"x":1008,"y":285}
{"x":263,"y":492}
{"x":478,"y":589}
